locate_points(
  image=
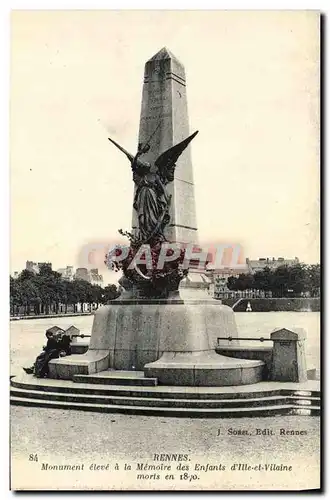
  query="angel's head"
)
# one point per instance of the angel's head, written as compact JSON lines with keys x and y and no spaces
{"x":144,"y":167}
{"x":170,"y":172}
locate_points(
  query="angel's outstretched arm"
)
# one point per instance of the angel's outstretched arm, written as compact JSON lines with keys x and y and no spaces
{"x":129,"y":155}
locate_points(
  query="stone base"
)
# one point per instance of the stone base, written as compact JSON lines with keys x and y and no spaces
{"x":204,"y":369}
{"x":80,"y":364}
{"x":138,"y":332}
{"x":171,"y":340}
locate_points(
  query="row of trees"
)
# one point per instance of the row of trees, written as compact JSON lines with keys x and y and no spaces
{"x":46,"y":293}
{"x":284,"y":281}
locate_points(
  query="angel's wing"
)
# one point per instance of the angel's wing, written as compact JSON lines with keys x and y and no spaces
{"x":170,"y":157}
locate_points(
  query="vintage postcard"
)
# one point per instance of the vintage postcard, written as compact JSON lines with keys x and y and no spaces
{"x":165,"y":250}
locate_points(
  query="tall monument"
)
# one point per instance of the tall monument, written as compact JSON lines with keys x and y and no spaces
{"x":164,"y":123}
{"x":152,"y":327}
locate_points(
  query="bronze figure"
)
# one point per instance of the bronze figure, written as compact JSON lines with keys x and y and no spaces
{"x":151,"y":200}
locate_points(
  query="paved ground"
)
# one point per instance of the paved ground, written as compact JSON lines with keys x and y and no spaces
{"x":74,"y":438}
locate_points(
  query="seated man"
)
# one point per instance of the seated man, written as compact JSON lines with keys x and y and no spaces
{"x":51,"y":351}
{"x":64,"y":344}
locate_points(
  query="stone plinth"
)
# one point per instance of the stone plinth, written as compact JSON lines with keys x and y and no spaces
{"x":173,"y":339}
{"x":72,"y":331}
{"x":93,"y":361}
{"x":203,"y":368}
{"x":137,"y":332}
{"x":289,"y":361}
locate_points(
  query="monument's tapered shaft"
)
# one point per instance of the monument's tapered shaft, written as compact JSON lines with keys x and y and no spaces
{"x":164,"y":123}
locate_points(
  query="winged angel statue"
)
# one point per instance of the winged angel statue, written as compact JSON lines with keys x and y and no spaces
{"x":151,"y":200}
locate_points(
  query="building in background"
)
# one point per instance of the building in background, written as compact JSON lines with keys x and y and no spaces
{"x":82,"y":273}
{"x":273,"y":263}
{"x":96,"y":278}
{"x":219,"y":278}
{"x":67,"y":273}
{"x":34,"y":267}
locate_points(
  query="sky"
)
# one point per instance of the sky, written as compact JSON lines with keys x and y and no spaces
{"x":253,"y":94}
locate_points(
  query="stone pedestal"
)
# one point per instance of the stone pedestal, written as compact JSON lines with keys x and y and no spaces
{"x":172,"y":340}
{"x":289,"y":362}
{"x":137,"y":332}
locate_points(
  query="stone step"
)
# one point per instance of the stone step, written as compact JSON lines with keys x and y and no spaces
{"x":301,"y":400}
{"x":117,"y":377}
{"x":170,"y":412}
{"x":60,"y":386}
{"x":157,"y":402}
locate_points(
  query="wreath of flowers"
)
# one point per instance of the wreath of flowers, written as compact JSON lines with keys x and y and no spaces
{"x":165,"y":279}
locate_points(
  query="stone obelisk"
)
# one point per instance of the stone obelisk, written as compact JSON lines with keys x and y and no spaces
{"x":164,"y":123}
{"x":172,"y":340}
